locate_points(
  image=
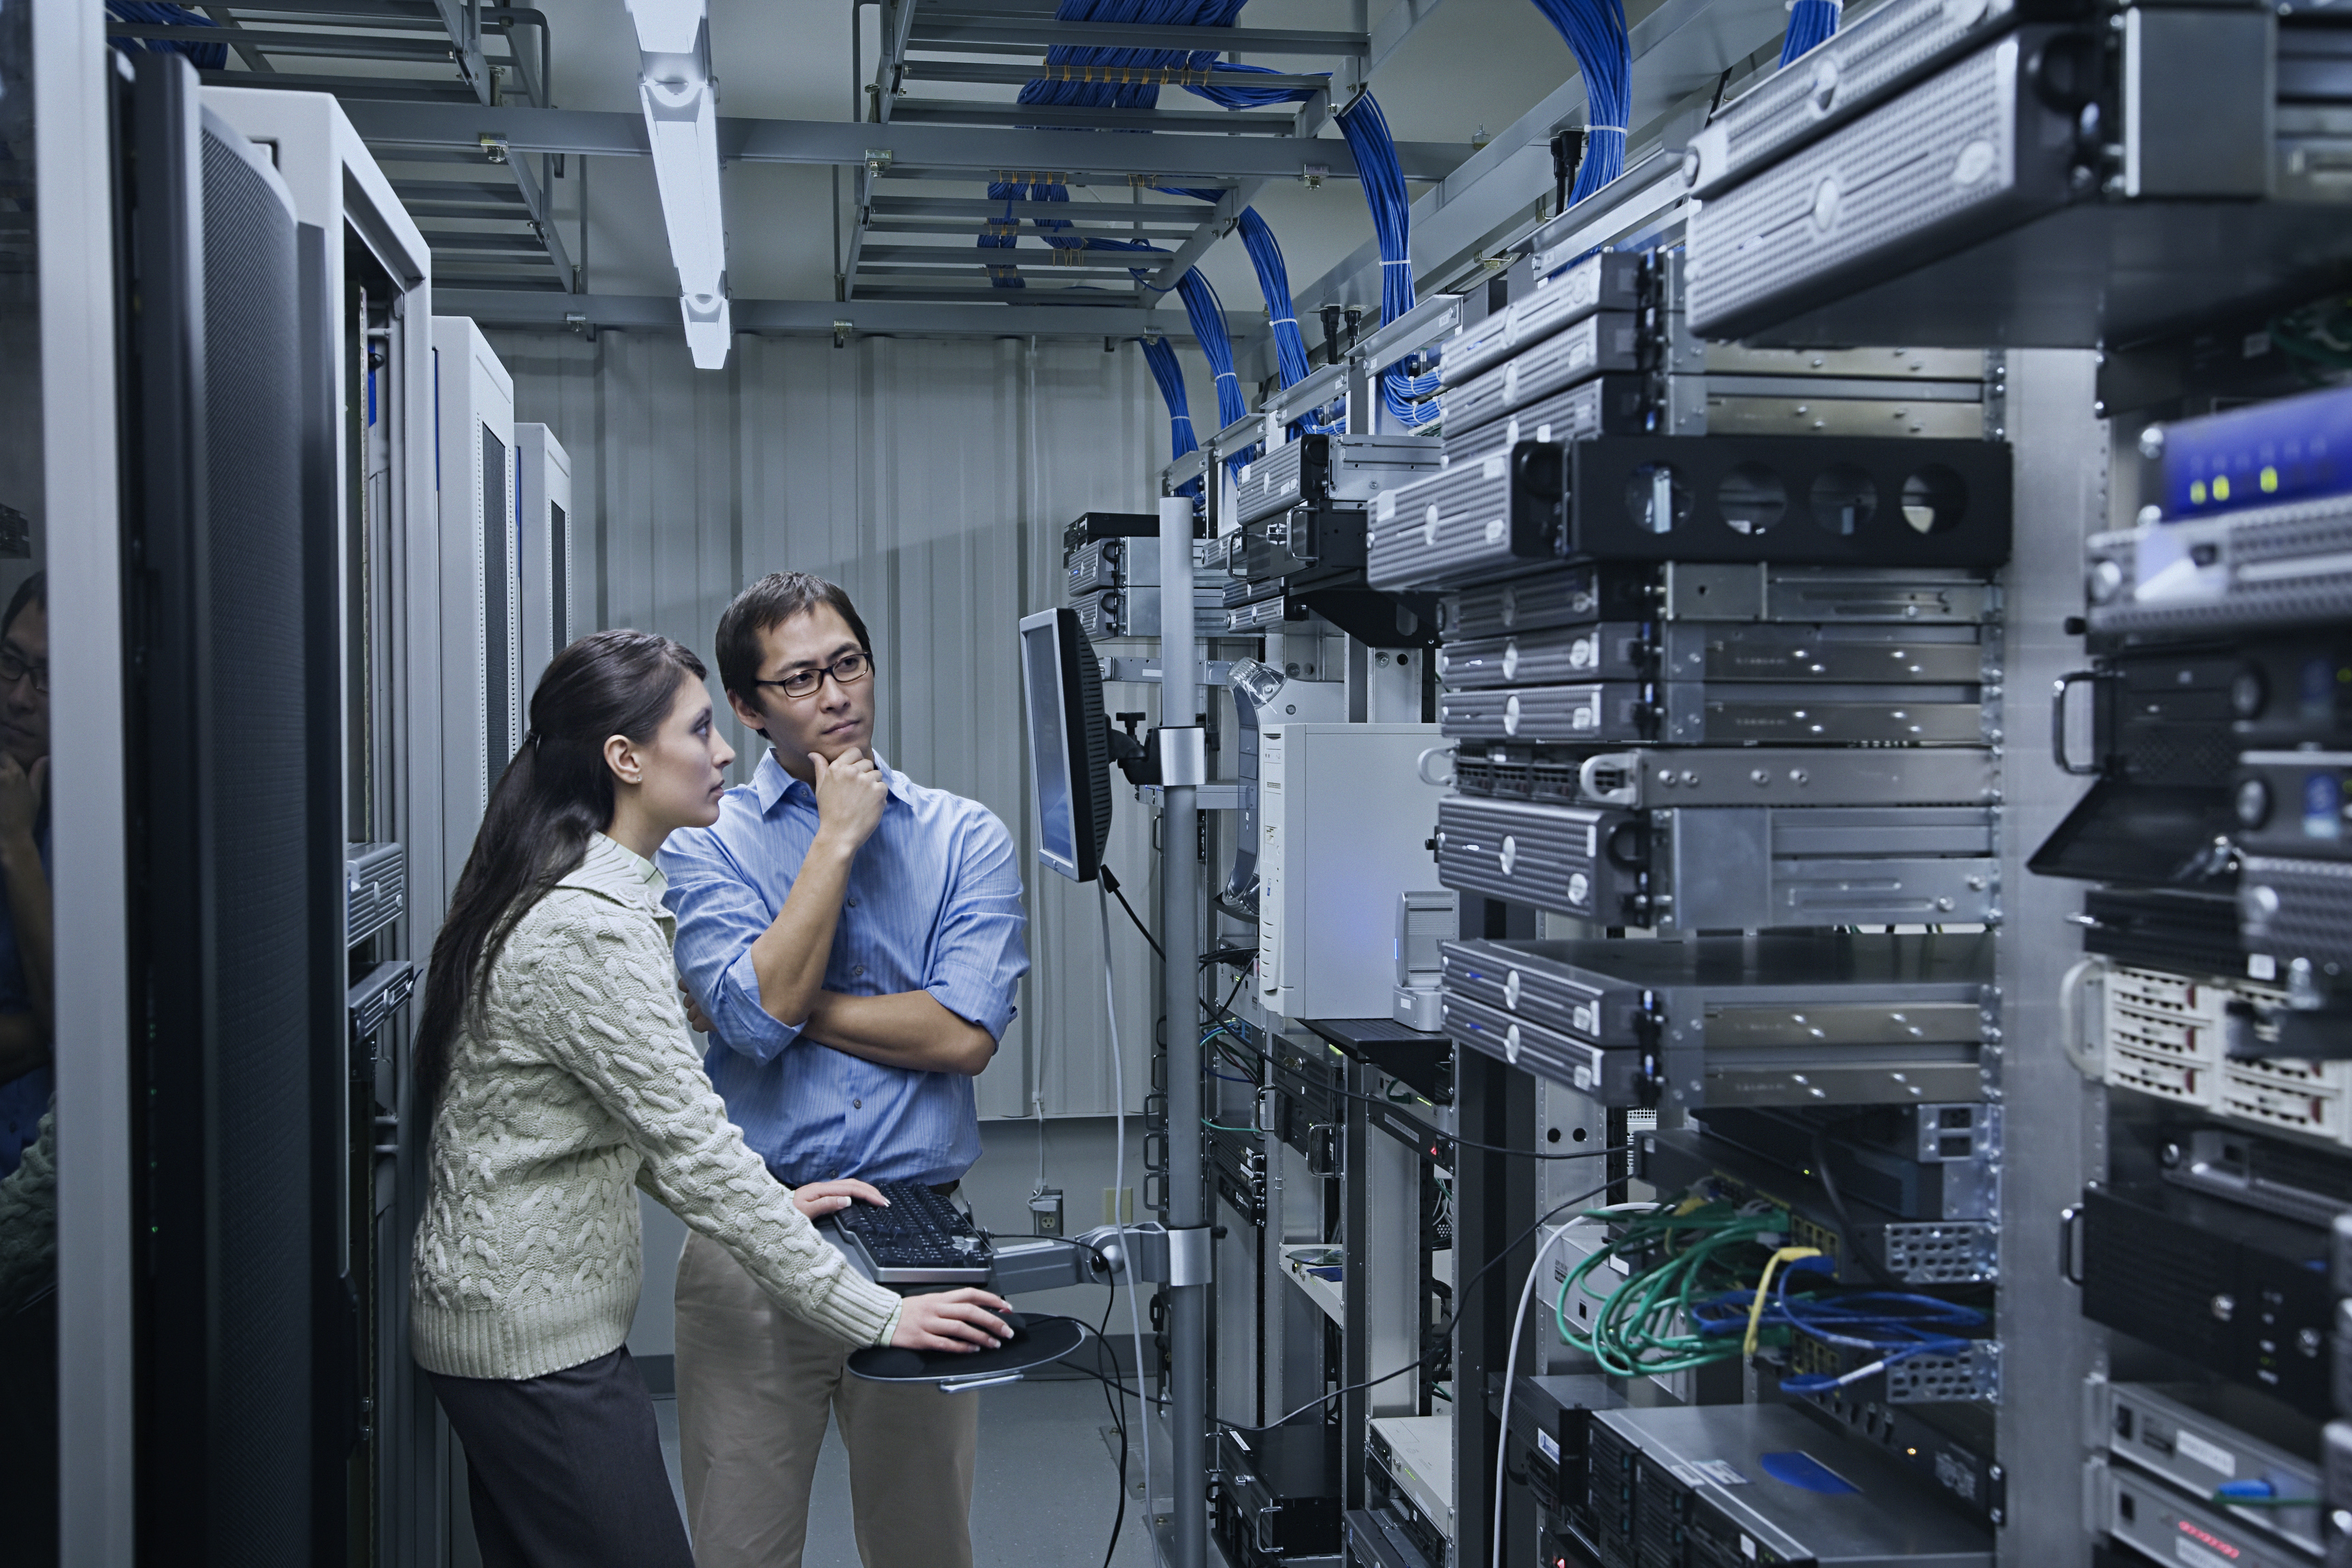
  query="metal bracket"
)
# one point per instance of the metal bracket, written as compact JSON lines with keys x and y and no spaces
{"x":1141,"y":1251}
{"x":1205,"y":797}
{"x":1190,"y":1259}
{"x":968,"y":1384}
{"x":1974,"y":1376}
{"x":1942,"y":1252}
{"x":1213,"y":671}
{"x":1183,"y":756}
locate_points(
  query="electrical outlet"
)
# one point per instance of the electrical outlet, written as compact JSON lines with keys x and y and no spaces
{"x":1118,"y":1206}
{"x":1045,"y":1211}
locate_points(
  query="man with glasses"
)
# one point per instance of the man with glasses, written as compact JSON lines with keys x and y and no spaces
{"x":25,"y":945}
{"x":852,"y":941}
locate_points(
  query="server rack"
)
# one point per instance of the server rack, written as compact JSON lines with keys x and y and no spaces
{"x":481,"y":581}
{"x":233,"y":837}
{"x":1735,"y":658}
{"x":543,"y":550}
{"x":376,"y":485}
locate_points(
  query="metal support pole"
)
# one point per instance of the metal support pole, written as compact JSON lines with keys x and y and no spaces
{"x":1182,"y":756}
{"x":1493,"y":1203}
{"x":1356,"y":1328}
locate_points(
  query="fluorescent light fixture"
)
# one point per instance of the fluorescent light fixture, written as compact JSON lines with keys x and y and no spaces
{"x":682,"y":127}
{"x":667,"y":26}
{"x":709,"y":329}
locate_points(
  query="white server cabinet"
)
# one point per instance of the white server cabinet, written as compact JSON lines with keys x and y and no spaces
{"x":378,"y":275}
{"x":543,"y":497}
{"x":372,"y":308}
{"x":1343,"y":819}
{"x":481,"y":587}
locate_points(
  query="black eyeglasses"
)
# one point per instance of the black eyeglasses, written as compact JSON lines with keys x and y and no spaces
{"x":847,"y":670}
{"x":12,"y":669}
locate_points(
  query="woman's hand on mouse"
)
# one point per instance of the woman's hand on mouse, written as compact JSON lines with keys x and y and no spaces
{"x":952,"y":1321}
{"x":818,"y":1199}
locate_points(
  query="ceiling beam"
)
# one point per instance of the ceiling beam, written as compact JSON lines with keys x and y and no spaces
{"x":504,"y":199}
{"x":947,"y":27}
{"x":1098,"y":214}
{"x":332,"y":45}
{"x":897,"y":17}
{"x":373,"y":88}
{"x":255,"y":60}
{"x":1214,"y":228}
{"x":1083,"y":117}
{"x":1113,"y":75}
{"x":362,"y":12}
{"x":1169,"y":229}
{"x":1400,"y":22}
{"x":1072,"y":157}
{"x":911,"y":318}
{"x":979,"y":263}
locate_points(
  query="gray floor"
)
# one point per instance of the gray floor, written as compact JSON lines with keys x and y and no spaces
{"x":1043,"y":1496}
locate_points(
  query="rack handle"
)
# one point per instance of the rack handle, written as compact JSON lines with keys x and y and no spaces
{"x":2058,"y":723}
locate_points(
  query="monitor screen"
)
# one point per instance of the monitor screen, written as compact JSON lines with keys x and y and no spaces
{"x":1068,"y":751}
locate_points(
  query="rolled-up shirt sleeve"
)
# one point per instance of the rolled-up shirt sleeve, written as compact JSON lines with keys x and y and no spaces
{"x":720,"y":916}
{"x":982,"y":950}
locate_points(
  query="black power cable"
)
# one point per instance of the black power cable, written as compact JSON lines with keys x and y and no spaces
{"x":1118,"y":1420}
{"x":1847,"y":1240}
{"x":1112,"y":882}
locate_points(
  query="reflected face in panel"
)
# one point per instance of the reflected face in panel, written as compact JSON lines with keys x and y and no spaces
{"x":832,"y":721}
{"x":25,"y":685}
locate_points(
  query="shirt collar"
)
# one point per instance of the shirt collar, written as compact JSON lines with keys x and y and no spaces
{"x":618,"y":873}
{"x":772,"y":783}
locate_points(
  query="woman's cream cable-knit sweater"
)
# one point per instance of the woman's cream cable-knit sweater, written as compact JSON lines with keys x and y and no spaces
{"x":579,"y":1084}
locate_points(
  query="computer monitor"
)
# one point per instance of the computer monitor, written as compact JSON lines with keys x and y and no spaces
{"x":1069,"y":742}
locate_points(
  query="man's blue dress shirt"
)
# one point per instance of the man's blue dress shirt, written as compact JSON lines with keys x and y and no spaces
{"x":25,"y":1099}
{"x":933,"y":904}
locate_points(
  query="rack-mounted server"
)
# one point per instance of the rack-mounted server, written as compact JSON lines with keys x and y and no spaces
{"x":1788,"y":501}
{"x":1728,"y":868}
{"x":1779,"y":1018}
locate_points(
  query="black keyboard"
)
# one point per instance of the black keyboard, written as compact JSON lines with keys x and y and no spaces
{"x":920,"y":1240}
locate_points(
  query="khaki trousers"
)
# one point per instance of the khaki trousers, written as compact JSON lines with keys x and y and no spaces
{"x":755,"y":1387}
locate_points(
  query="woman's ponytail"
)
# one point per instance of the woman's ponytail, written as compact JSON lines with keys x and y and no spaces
{"x":553,"y":796}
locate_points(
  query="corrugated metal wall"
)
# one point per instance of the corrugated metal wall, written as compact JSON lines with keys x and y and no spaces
{"x":931,"y":479}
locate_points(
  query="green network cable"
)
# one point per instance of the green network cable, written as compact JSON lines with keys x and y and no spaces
{"x":1639,"y":1330}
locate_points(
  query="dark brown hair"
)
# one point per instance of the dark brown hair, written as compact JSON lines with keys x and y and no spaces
{"x":33,"y":589}
{"x":764,"y":605}
{"x":555,"y":794}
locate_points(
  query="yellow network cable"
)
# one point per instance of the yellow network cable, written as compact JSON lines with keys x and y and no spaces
{"x":1763,"y":1286}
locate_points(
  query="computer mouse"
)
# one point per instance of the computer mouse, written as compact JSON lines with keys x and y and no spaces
{"x":1017,"y":1323}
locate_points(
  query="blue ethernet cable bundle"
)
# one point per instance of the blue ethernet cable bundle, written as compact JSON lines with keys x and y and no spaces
{"x":1812,"y":23}
{"x":1382,"y":177}
{"x":1596,"y":35}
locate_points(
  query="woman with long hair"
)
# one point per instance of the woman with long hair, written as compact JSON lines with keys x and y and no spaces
{"x":555,"y":1055}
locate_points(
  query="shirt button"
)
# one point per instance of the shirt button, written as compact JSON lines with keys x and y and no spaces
{"x":853,"y":903}
{"x":857,"y":972}
{"x":856,"y":1105}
